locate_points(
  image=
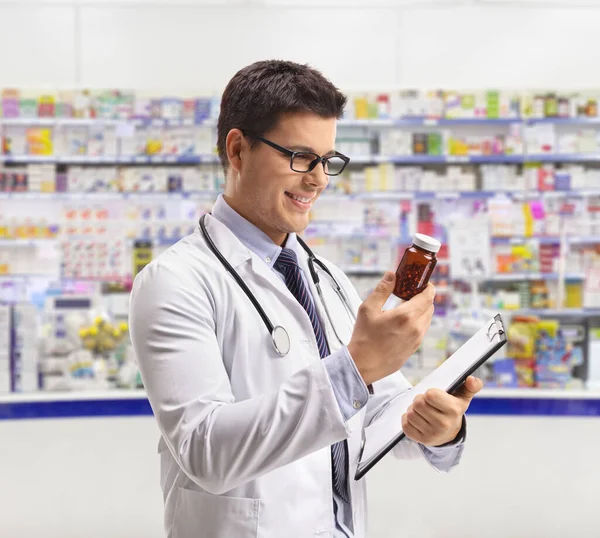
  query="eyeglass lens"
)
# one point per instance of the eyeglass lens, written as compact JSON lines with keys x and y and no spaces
{"x":303,"y":162}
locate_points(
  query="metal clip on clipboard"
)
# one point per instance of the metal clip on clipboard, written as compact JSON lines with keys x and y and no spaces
{"x":498,"y":325}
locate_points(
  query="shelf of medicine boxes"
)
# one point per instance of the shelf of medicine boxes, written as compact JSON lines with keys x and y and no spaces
{"x":555,"y":312}
{"x":368,"y":122}
{"x":449,"y":122}
{"x":357,"y":159}
{"x":360,"y":159}
{"x":84,"y":159}
{"x":328,"y":195}
{"x":89,"y":122}
{"x":580,"y":158}
{"x":117,"y":402}
{"x":104,"y":195}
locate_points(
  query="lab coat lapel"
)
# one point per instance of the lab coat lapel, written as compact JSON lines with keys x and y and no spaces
{"x":226,"y":241}
{"x":261,"y":271}
{"x":249,"y":266}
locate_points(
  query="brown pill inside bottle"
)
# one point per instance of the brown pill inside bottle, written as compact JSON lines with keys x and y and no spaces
{"x":416,"y":266}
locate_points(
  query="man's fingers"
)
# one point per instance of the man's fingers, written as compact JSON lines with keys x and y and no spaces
{"x":420,"y":302}
{"x":469,"y":388}
{"x":439,"y":399}
{"x":429,"y":415}
{"x":379,"y":296}
{"x":411,"y":430}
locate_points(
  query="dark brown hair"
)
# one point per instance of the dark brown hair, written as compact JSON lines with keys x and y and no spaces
{"x":258,"y":94}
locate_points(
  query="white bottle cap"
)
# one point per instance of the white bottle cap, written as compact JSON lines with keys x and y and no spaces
{"x":428,"y":243}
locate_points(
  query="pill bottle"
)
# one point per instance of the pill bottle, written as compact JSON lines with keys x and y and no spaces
{"x":416,"y":266}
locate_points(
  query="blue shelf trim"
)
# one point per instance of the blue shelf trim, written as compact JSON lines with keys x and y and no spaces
{"x":496,"y":159}
{"x":493,"y":159}
{"x":137,"y":121}
{"x":357,"y":160}
{"x":419,"y":121}
{"x":141,"y":407}
{"x":564,"y":158}
{"x":513,"y":277}
{"x":434,"y":122}
{"x":535,"y":407}
{"x":562,"y":121}
{"x":560,"y":313}
{"x":524,"y":239}
{"x":75,"y":409}
{"x":328,"y":195}
{"x":409,"y":121}
{"x":439,"y":159}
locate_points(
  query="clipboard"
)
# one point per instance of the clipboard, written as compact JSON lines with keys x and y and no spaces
{"x":449,"y":376}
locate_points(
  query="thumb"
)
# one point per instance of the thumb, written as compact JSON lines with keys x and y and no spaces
{"x":469,"y":389}
{"x":382,"y":291}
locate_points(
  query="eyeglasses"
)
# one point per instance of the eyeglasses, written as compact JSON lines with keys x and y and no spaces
{"x":305,"y":161}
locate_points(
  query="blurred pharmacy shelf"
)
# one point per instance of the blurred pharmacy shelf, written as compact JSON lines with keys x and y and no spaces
{"x":354,"y":160}
{"x":575,"y":158}
{"x":35,"y":397}
{"x":509,"y":277}
{"x":90,"y":122}
{"x":557,"y":394}
{"x":327,"y":195}
{"x":563,"y":158}
{"x":370,"y":122}
{"x":134,"y":403}
{"x":453,"y":159}
{"x":555,"y":312}
{"x":549,"y":240}
{"x":178,"y":188}
{"x":106,"y":195}
{"x":84,"y":159}
{"x":364,"y":270}
{"x":563,"y":121}
{"x":469,"y":122}
{"x":25,"y":243}
{"x":125,"y":127}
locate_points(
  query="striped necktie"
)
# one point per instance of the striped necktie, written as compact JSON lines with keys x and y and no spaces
{"x":287,"y":265}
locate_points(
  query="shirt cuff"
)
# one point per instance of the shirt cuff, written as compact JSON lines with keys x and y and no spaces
{"x":443,"y":458}
{"x":349,"y":389}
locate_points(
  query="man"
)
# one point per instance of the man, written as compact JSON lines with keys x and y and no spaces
{"x":262,"y":426}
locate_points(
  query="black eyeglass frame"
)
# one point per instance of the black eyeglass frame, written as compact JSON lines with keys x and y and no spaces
{"x":292,"y":155}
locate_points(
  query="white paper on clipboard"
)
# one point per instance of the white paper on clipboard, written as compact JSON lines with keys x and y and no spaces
{"x":451,"y":373}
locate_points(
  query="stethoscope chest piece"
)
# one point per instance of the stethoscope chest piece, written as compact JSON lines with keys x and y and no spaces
{"x":281,"y":340}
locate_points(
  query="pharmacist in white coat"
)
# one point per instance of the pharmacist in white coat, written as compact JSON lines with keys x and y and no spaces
{"x":260,"y":385}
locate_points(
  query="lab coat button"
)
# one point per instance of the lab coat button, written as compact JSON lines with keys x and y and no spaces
{"x":268,"y":259}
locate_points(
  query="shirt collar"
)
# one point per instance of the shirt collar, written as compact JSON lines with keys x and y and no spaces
{"x":251,"y":237}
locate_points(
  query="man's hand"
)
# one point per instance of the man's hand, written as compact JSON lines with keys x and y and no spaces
{"x":435,"y":418}
{"x":383,"y":341}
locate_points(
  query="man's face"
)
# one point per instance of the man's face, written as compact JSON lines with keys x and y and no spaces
{"x":263,"y":193}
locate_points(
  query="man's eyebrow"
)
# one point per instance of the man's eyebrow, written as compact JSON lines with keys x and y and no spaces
{"x":311,"y":150}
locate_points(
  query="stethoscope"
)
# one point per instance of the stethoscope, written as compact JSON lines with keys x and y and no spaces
{"x":279,"y":336}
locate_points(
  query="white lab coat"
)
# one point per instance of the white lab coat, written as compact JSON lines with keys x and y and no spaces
{"x":246,"y":434}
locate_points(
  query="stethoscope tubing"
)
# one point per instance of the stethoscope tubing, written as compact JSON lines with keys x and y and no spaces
{"x":277,"y":332}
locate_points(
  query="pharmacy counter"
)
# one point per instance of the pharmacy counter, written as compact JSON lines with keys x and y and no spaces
{"x":125,"y":403}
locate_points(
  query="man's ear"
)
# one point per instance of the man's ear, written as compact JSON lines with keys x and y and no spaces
{"x":235,"y":144}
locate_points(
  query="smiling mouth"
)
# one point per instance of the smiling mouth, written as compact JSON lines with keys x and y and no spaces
{"x":301,"y":199}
